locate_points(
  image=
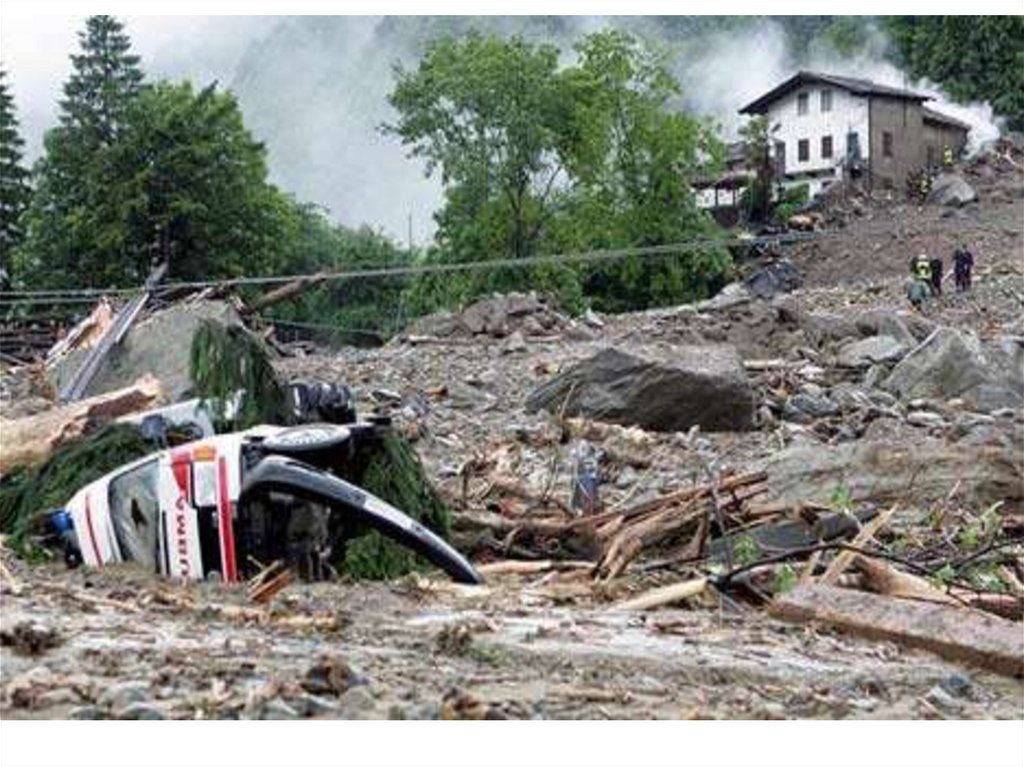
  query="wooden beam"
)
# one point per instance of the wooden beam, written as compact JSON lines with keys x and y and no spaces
{"x":955,"y":633}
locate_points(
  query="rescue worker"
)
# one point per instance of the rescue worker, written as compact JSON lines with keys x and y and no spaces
{"x":936,"y":276}
{"x":963,"y":261}
{"x":919,"y":285}
{"x":947,"y":157}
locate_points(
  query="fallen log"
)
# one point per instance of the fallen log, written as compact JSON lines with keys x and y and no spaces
{"x":286,"y":291}
{"x":956,"y":633}
{"x":664,"y":595}
{"x":31,"y":440}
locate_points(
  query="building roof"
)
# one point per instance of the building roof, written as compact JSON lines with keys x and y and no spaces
{"x":930,"y":115}
{"x":852,"y":84}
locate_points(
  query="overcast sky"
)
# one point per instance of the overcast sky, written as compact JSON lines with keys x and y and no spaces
{"x":35,"y":49}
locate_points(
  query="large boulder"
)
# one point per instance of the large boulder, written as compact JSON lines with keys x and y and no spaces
{"x":778,"y":276}
{"x":951,"y":364}
{"x":881,"y":472}
{"x":658,"y":389}
{"x":158,"y":345}
{"x":868,"y":351}
{"x":951,"y":189}
{"x":498,"y":315}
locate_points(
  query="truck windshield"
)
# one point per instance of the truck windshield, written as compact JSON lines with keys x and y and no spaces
{"x":134,"y":510}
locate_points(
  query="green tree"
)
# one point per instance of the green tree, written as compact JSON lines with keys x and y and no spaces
{"x":756,"y":145}
{"x":972,"y":57}
{"x":14,"y":186}
{"x":635,"y":173}
{"x":76,"y":232}
{"x":136,"y":175}
{"x":192,"y":188}
{"x":483,"y":110}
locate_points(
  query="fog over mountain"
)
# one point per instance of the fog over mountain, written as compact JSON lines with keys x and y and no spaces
{"x":314,"y":89}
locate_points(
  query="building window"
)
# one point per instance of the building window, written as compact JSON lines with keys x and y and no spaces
{"x":826,"y":147}
{"x":801,"y":103}
{"x":886,"y":144}
{"x":803,"y":150}
{"x":826,"y":100}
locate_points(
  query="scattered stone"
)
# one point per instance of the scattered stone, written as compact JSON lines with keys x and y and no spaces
{"x":357,"y":703}
{"x":926,"y":418}
{"x":951,"y":189}
{"x":275,"y":708}
{"x":330,"y":676}
{"x":777,"y":276}
{"x":140,"y":711}
{"x":29,"y":637}
{"x":87,"y":712}
{"x":951,"y":364}
{"x":810,"y":406}
{"x":870,"y":350}
{"x":655,"y":389}
{"x":938,"y":696}
{"x":123,"y":694}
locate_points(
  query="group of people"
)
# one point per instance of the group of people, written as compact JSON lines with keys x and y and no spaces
{"x":926,"y":275}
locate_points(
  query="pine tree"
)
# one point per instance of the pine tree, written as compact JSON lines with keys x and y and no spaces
{"x":14,"y":188}
{"x":76,"y":225}
{"x":106,"y":78}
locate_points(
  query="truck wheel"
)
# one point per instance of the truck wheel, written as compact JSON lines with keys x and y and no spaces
{"x":313,"y":439}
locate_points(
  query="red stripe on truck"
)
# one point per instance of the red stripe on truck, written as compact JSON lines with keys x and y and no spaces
{"x":92,"y":533}
{"x":227,"y":530}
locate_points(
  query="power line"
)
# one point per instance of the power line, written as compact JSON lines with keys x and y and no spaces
{"x":412,"y":270}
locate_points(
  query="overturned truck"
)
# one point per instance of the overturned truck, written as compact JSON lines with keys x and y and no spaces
{"x":229,"y":505}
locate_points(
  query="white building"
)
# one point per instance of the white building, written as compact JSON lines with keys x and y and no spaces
{"x":823,"y":128}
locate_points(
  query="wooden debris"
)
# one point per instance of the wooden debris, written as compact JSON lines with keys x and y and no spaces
{"x":842,"y":561}
{"x":888,"y":581}
{"x":268,"y":588}
{"x":957,"y":634}
{"x":528,"y":567}
{"x":86,"y":334}
{"x":664,"y":595}
{"x":31,"y":440}
{"x":8,"y":577}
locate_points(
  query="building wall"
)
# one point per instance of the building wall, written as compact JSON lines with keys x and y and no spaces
{"x":937,"y":137}
{"x":902,"y":120}
{"x":849,"y":114}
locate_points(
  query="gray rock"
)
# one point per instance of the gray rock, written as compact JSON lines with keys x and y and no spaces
{"x":951,"y":364}
{"x":140,"y":711}
{"x":357,"y":703}
{"x":879,"y":471}
{"x":815,"y":407}
{"x":656,"y":389}
{"x":159,"y":345}
{"x":275,"y":708}
{"x":123,"y":694}
{"x":87,"y":712}
{"x":733,"y":294}
{"x":870,"y":350}
{"x":313,"y":706}
{"x":778,"y":276}
{"x":951,"y":189}
{"x":926,"y":419}
{"x":937,"y":696}
{"x":958,"y":685}
{"x":515,"y":343}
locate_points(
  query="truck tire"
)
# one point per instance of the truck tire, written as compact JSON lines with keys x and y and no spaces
{"x":308,"y":440}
